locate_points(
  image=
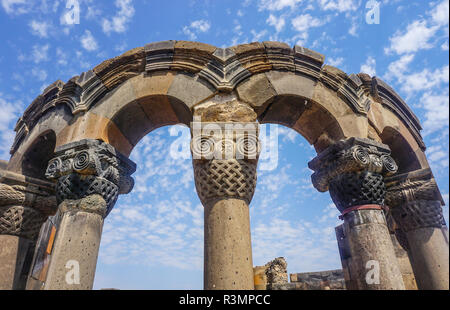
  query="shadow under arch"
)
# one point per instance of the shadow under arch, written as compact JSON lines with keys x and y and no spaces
{"x":138,"y":118}
{"x":37,"y":156}
{"x":401,"y":150}
{"x":310,"y":119}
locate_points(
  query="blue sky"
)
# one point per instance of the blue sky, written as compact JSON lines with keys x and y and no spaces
{"x":153,"y":239}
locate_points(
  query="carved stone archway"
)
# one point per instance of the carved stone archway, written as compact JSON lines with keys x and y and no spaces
{"x":368,"y":142}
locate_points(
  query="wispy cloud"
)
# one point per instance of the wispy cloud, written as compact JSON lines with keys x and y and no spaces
{"x":120,"y":21}
{"x":88,"y":42}
{"x":369,"y":66}
{"x":196,"y":27}
{"x":16,"y":7}
{"x":277,"y":5}
{"x":40,"y":28}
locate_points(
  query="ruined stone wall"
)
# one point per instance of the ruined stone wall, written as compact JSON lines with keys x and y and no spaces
{"x":274,"y":276}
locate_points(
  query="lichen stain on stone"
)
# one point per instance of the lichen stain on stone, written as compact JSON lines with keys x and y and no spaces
{"x":226,"y":108}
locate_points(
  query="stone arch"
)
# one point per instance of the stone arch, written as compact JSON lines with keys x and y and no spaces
{"x":160,"y":83}
{"x":98,"y":117}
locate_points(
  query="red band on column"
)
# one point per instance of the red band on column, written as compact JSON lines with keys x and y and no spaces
{"x":362,"y":207}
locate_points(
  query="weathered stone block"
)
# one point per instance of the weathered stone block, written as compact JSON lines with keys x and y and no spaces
{"x":256,"y":90}
{"x":198,"y":91}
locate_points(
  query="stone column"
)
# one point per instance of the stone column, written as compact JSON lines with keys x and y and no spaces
{"x":25,"y":203}
{"x":224,"y":159}
{"x":90,"y":175}
{"x":400,"y":244}
{"x":416,"y":207}
{"x":353,"y":171}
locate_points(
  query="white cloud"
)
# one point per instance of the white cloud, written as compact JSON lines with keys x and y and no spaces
{"x":436,"y":114}
{"x":62,"y":56}
{"x":40,"y":53}
{"x":88,"y":41}
{"x":306,"y":246}
{"x":93,"y":12}
{"x":439,"y":14}
{"x":339,"y":5}
{"x":201,"y":25}
{"x":278,"y":23}
{"x":196,"y":27}
{"x":369,"y":66}
{"x":118,"y":23}
{"x":276,"y":5}
{"x":397,"y":69}
{"x":424,"y":80}
{"x":437,"y":156}
{"x":39,"y":74}
{"x":16,"y":7}
{"x":353,"y":29}
{"x":415,"y":38}
{"x":419,"y":34}
{"x":412,"y":82}
{"x":8,"y":117}
{"x":335,"y":62}
{"x":39,"y":29}
{"x":258,"y":35}
{"x":303,"y":22}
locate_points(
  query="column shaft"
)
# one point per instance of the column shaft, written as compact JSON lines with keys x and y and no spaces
{"x":14,"y":253}
{"x":74,"y":258}
{"x":228,"y":251}
{"x":429,"y":257}
{"x":417,"y":209}
{"x":373,"y":262}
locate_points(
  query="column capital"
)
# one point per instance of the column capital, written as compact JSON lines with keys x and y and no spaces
{"x":89,"y":167}
{"x":353,"y":170}
{"x":353,"y":155}
{"x":225,"y":156}
{"x":25,"y":203}
{"x":411,"y":186}
{"x":415,"y":200}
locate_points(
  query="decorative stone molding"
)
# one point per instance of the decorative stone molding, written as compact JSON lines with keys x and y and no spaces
{"x":419,"y":214}
{"x":415,"y":200}
{"x":218,"y":179}
{"x":21,"y":221}
{"x":25,"y":203}
{"x":90,"y":167}
{"x":353,"y":170}
{"x":412,"y":186}
{"x":225,"y":152}
{"x":20,"y":190}
{"x":223,"y":69}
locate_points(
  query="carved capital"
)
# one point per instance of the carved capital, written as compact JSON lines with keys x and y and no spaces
{"x":25,"y":203}
{"x":225,"y":159}
{"x":219,"y":179}
{"x":419,"y":214}
{"x":415,"y":200}
{"x":357,"y":189}
{"x":90,"y":167}
{"x":416,"y":185}
{"x":353,"y":155}
{"x":20,"y":221}
{"x":20,"y":190}
{"x":353,"y":170}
